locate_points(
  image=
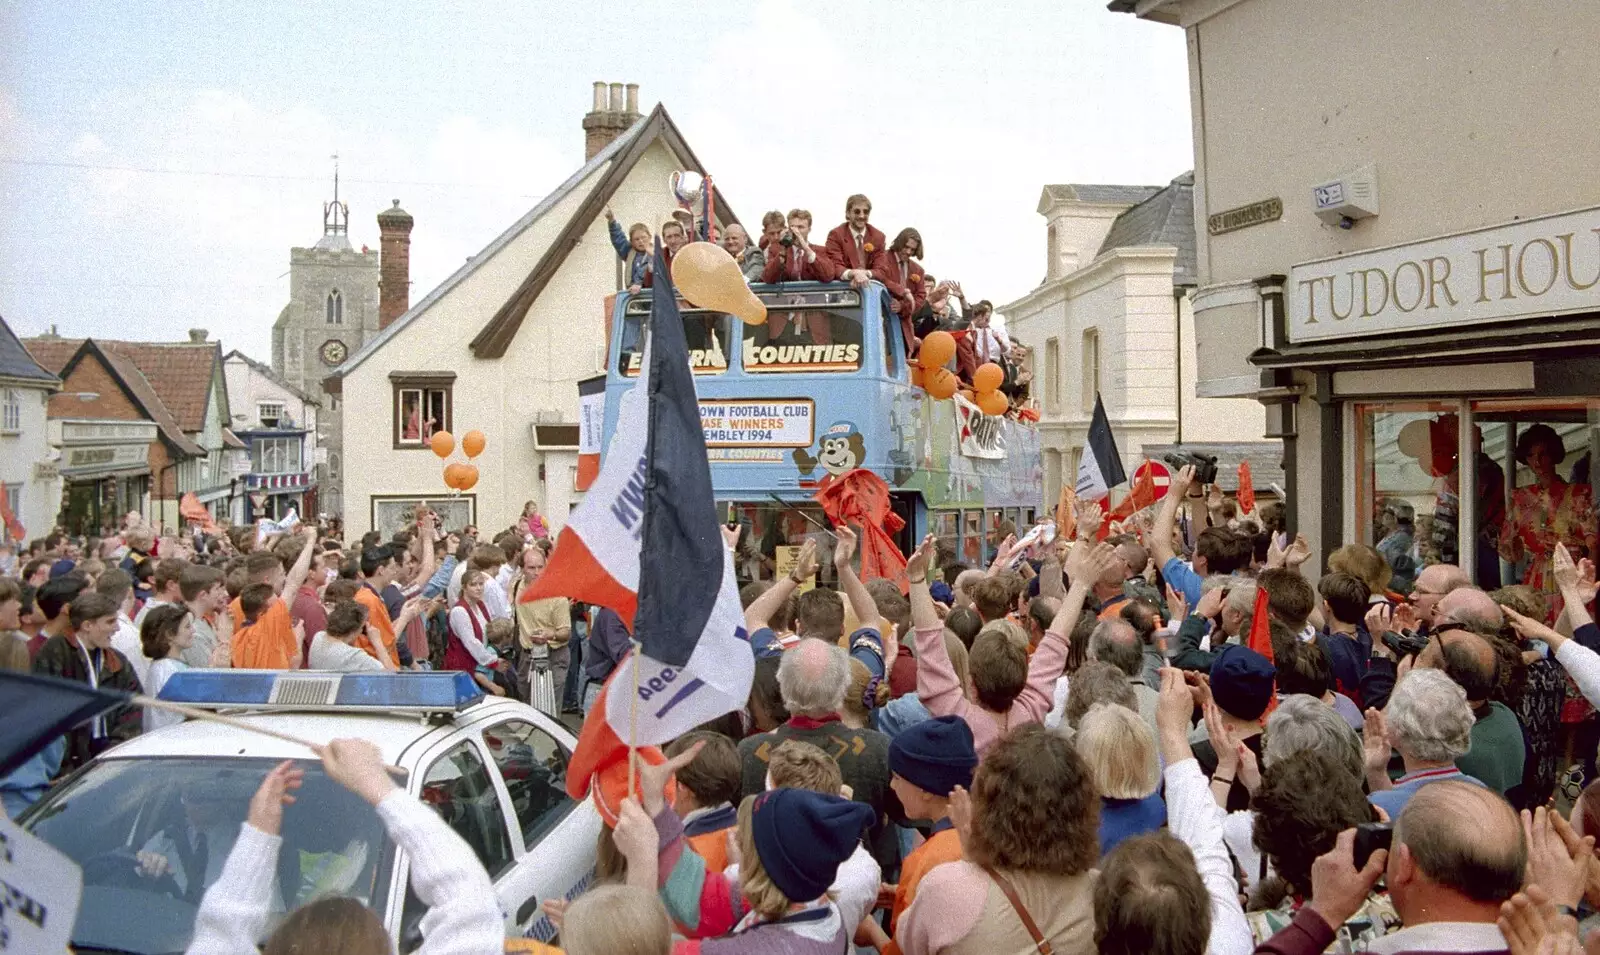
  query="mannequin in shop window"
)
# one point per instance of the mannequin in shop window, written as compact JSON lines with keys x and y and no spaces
{"x":1434,"y":443}
{"x":1547,"y":512}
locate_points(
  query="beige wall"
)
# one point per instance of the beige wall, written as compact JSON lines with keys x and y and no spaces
{"x":559,"y":342}
{"x":1475,"y":113}
{"x":1211,"y":419}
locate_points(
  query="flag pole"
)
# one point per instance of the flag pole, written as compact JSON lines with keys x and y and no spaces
{"x":196,"y":713}
{"x":633,"y":717}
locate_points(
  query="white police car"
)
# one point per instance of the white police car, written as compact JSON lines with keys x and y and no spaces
{"x":151,"y":821}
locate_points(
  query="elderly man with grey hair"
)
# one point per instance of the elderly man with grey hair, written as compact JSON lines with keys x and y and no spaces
{"x":1428,"y":721}
{"x":813,"y":677}
{"x":1114,"y":641}
{"x":1223,"y":614}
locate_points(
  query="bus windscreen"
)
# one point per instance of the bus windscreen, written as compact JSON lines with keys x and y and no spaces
{"x":803,"y":340}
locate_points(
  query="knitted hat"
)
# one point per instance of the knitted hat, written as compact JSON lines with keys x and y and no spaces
{"x":940,"y":591}
{"x":1242,"y":682}
{"x":935,"y":755}
{"x":802,"y":837}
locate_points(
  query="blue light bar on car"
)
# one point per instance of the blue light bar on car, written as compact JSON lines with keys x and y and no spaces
{"x":310,"y":691}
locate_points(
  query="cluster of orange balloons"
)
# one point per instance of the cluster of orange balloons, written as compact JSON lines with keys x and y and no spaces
{"x":459,"y":476}
{"x":929,"y":373}
{"x":986,"y":382}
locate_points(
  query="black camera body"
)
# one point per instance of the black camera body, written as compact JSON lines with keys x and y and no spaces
{"x":787,"y":238}
{"x":1205,"y":465}
{"x":1404,"y":644}
{"x":1370,"y":837}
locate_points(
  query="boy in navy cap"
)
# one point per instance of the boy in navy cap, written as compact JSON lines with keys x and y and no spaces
{"x":929,"y":760}
{"x":1242,"y":687}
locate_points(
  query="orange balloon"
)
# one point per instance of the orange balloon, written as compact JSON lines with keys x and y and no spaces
{"x":993,"y":403}
{"x":916,"y":376}
{"x":472,"y":443}
{"x":468,"y":477}
{"x":941,"y":383}
{"x":442,"y":442}
{"x":937,"y":349}
{"x":967,"y":394}
{"x":988,"y":377}
{"x":709,"y":277}
{"x":452,"y":474}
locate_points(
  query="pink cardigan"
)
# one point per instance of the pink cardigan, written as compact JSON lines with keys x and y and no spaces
{"x":942,"y":693}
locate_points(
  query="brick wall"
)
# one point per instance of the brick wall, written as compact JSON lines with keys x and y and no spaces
{"x":112,"y":404}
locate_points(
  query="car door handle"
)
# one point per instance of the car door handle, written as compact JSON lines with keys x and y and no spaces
{"x":528,"y":909}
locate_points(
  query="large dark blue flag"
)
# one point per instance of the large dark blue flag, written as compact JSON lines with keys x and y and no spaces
{"x":38,"y":709}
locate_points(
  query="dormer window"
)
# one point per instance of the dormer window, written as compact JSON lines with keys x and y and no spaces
{"x":270,"y":413}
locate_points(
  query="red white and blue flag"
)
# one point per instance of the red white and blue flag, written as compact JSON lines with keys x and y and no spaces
{"x":646,"y":543}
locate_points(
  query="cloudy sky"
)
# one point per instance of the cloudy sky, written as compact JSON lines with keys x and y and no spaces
{"x":158,"y":159}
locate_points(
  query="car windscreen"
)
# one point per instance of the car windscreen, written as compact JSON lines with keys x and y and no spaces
{"x":152,"y":834}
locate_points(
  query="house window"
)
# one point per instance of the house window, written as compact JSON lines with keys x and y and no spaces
{"x":335,"y":308}
{"x":1091,"y":367}
{"x":333,"y":466}
{"x":275,"y":455}
{"x":270,"y":413}
{"x":1052,"y":374}
{"x":422,"y":405}
{"x":11,"y":416}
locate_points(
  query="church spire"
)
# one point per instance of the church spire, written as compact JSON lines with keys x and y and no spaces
{"x":335,"y":218}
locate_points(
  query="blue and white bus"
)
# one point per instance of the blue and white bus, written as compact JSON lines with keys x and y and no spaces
{"x":823,"y":387}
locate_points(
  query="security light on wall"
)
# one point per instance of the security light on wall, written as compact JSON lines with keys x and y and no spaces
{"x":1347,"y":199}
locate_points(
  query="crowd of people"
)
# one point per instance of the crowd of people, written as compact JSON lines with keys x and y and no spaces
{"x":1154,"y":737}
{"x":856,"y":252}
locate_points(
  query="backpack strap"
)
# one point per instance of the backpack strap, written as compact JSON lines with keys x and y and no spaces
{"x":1010,"y":892}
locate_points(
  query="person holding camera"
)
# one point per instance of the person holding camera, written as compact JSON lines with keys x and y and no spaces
{"x":793,"y":259}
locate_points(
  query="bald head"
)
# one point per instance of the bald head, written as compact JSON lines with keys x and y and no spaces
{"x":1472,"y":607}
{"x":813,"y":677}
{"x":1435,"y":581}
{"x":963,"y":586}
{"x":1466,"y":657}
{"x":1458,"y":839}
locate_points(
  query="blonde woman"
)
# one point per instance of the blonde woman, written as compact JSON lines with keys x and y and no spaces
{"x":1120,"y":751}
{"x":616,"y":920}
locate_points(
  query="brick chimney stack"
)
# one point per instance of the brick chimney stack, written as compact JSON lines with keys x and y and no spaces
{"x":394,"y":264}
{"x":616,"y":108}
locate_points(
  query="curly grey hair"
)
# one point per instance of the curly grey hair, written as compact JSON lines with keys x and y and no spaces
{"x":813,"y":677}
{"x":1304,"y":722}
{"x":1428,"y":717}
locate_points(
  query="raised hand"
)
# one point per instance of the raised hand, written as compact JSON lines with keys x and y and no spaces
{"x":1299,"y":552}
{"x":1211,"y":603}
{"x":1090,"y":517}
{"x":275,"y":792}
{"x":1380,"y":620}
{"x":1223,"y":742}
{"x":961,"y":815}
{"x":1375,"y":743}
{"x":1181,"y":481}
{"x":1086,"y":563}
{"x":1405,"y":618}
{"x":1338,"y":890}
{"x":921,"y":559}
{"x":845,"y":548}
{"x":1177,"y":606}
{"x":730,"y":536}
{"x":806,"y":564}
{"x":357,"y":765}
{"x":1249,"y":772}
{"x":1557,"y":868}
{"x":653,"y":777}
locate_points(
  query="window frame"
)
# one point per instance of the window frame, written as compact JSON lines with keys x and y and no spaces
{"x":333,"y":307}
{"x":475,"y":747}
{"x":261,"y":413}
{"x":1091,"y":368}
{"x":547,"y":822}
{"x":423,"y":383}
{"x":260,"y":448}
{"x":11,"y":411}
{"x":1052,"y":371}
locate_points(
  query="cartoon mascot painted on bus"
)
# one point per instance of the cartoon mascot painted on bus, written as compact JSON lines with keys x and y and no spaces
{"x":841,"y":448}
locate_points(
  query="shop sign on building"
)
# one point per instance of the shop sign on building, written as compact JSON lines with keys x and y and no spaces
{"x":1533,"y":268}
{"x":1256,"y":213}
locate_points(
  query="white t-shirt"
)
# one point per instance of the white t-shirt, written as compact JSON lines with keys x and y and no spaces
{"x":126,"y":642}
{"x":330,"y":654}
{"x":160,"y":671}
{"x":854,"y":888}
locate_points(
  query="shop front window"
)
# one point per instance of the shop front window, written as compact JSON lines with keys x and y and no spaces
{"x":1539,"y":456}
{"x":1407,"y":502}
{"x":1524,"y":487}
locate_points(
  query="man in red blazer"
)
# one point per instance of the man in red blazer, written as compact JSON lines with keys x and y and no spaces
{"x":673,"y":238}
{"x":799,"y":262}
{"x":854,"y":245}
{"x":902,"y":276}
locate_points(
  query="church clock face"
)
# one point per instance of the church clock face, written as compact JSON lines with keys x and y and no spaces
{"x":334,"y":352}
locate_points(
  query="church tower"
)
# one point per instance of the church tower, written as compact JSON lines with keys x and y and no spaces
{"x":332,"y":310}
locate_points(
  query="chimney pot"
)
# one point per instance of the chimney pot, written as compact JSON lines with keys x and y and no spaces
{"x":633,"y":99}
{"x":599,"y":97}
{"x":198,"y":336}
{"x":618,"y":104}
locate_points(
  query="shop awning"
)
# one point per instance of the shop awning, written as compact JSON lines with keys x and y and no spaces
{"x":1562,"y":336}
{"x":82,"y":475}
